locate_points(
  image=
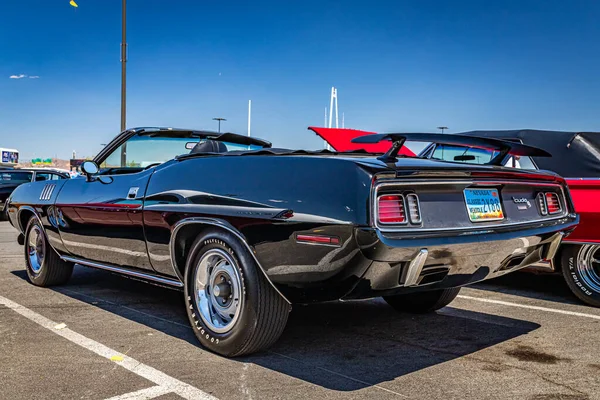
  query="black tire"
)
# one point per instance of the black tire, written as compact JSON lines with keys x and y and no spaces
{"x":50,"y":269}
{"x":422,"y":302}
{"x":581,"y":273}
{"x":263,"y":312}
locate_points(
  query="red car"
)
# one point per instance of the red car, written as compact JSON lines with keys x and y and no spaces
{"x":575,"y":156}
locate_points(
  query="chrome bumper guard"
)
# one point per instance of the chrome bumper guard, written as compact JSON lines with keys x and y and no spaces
{"x":544,"y":252}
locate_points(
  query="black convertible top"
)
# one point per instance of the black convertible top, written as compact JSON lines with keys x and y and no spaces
{"x":574,"y":154}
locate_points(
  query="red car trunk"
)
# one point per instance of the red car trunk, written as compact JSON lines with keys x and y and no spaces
{"x":341,"y":140}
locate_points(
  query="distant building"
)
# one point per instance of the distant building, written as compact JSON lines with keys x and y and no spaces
{"x":10,"y":157}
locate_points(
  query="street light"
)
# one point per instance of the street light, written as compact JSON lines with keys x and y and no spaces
{"x":442,"y":128}
{"x":219,"y":119}
{"x":123,"y":79}
{"x":123,"y":63}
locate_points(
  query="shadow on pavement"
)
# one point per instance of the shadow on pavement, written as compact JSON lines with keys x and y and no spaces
{"x":339,"y":346}
{"x":550,"y":287}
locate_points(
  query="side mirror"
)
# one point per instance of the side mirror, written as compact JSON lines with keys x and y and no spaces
{"x":89,"y":168}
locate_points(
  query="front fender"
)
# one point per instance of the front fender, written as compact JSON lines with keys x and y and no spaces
{"x":35,"y":199}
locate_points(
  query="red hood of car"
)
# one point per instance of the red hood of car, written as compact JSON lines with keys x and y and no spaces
{"x":341,"y":140}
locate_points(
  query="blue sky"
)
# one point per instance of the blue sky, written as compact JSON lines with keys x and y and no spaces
{"x":398,"y":66}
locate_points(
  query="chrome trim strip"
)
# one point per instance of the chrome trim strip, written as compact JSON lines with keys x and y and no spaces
{"x":396,"y":182}
{"x":566,"y":241}
{"x":123,"y":271}
{"x":47,"y":191}
{"x":415,"y":268}
{"x":221,"y":224}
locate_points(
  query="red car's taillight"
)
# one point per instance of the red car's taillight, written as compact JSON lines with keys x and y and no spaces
{"x":391,"y":209}
{"x":553,"y":203}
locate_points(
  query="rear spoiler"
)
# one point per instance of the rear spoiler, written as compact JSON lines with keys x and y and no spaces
{"x":502,"y":146}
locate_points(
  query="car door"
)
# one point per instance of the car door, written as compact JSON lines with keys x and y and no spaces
{"x":101,"y":219}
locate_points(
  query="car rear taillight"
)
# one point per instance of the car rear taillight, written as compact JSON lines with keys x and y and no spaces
{"x":414,"y":210}
{"x":553,"y":203}
{"x":549,"y":203}
{"x":541,"y":201}
{"x":391,"y":209}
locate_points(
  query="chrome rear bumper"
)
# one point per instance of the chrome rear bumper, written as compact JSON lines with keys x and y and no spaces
{"x":406,"y":265}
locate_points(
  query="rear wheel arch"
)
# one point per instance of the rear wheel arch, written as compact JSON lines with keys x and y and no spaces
{"x":184,"y":236}
{"x":231,"y":306}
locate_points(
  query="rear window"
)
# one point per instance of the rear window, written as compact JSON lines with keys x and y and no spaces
{"x":15,"y":177}
{"x":475,"y":155}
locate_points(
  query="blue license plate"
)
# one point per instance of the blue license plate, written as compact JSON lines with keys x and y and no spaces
{"x":483,"y":205}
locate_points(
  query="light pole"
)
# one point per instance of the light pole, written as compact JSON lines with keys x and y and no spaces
{"x":123,"y":78}
{"x":442,"y":128}
{"x":123,"y":64}
{"x":219,"y":119}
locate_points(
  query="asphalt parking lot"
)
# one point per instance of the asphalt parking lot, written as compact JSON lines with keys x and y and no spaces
{"x":103,"y":336}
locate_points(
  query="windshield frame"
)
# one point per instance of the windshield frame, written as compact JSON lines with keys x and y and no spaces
{"x":124,"y":136}
{"x":119,"y":144}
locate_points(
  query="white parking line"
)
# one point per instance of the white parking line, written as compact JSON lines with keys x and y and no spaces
{"x":269,"y":351}
{"x":143,"y":394}
{"x":537,"y":308}
{"x":163,"y":380}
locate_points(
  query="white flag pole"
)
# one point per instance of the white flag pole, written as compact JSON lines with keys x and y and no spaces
{"x":249,"y":115}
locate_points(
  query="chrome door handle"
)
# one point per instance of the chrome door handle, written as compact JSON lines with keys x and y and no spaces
{"x":132,"y":194}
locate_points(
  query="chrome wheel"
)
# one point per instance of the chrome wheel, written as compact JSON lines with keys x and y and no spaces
{"x":588,"y":266}
{"x":217,"y":290}
{"x":36,"y":249}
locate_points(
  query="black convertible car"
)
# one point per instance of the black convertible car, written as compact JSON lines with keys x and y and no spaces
{"x":247,"y":230}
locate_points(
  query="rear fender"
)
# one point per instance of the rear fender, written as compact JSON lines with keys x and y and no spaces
{"x":211,"y":222}
{"x":585,"y":194}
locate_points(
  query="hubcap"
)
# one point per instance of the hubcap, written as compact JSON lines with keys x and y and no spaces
{"x":217,"y":288}
{"x":588,"y":266}
{"x":36,"y":249}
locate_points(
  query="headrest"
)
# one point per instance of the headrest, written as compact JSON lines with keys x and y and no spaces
{"x":209,"y":146}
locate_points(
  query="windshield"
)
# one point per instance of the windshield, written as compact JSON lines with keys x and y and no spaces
{"x":144,"y":151}
{"x":469,"y":155}
{"x":474,"y":155}
{"x":15,"y":177}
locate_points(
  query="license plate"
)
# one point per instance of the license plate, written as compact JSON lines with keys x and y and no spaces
{"x":483,"y":205}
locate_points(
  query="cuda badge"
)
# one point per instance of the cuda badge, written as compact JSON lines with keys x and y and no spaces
{"x":47,"y":191}
{"x":522,"y":203}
